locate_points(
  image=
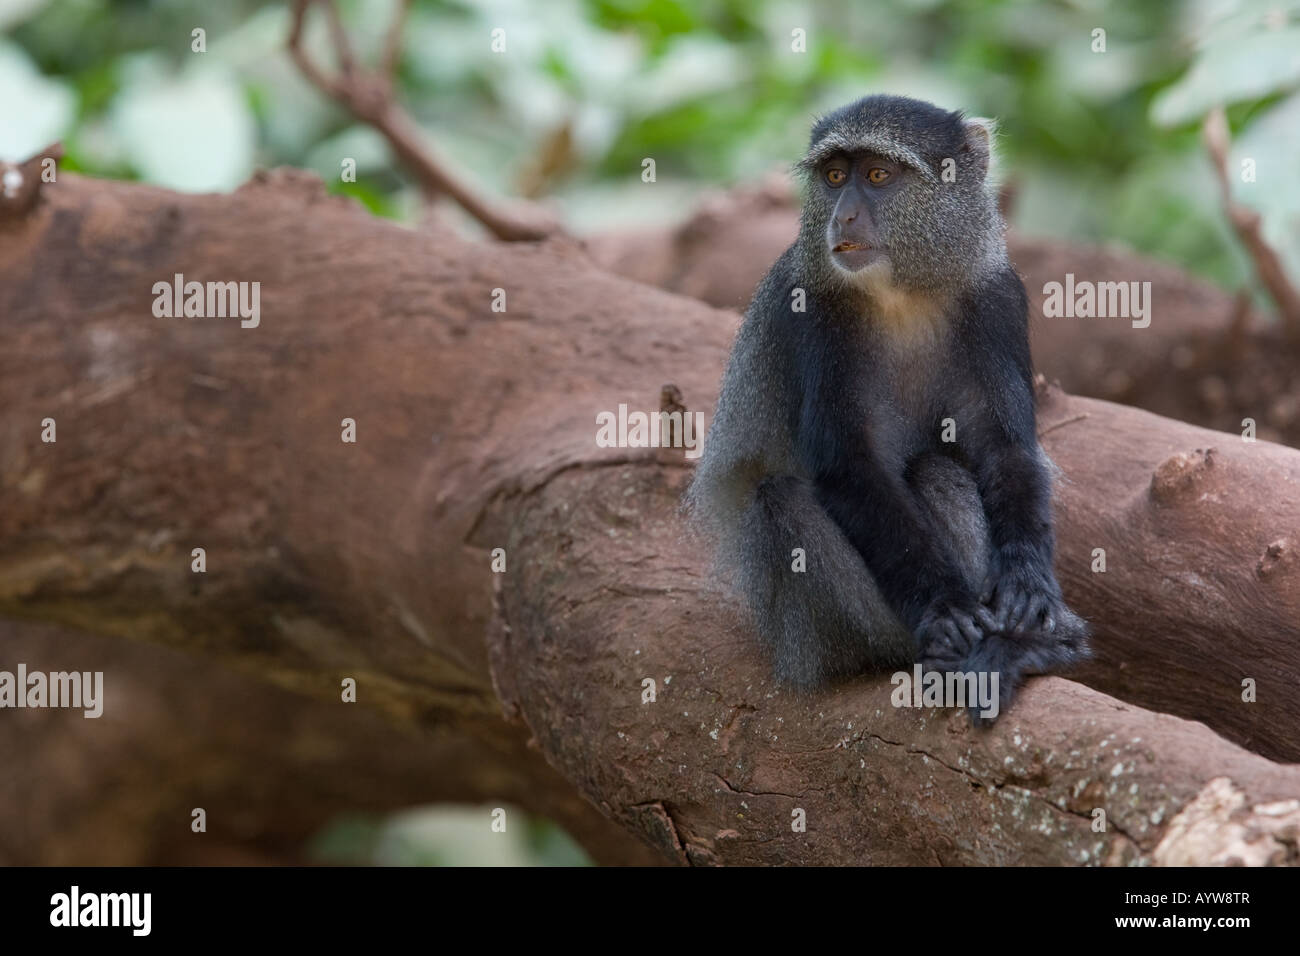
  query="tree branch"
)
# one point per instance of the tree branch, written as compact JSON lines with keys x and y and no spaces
{"x":369,"y":96}
{"x":1247,"y":223}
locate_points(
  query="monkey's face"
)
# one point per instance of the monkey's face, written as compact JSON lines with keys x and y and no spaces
{"x":897,"y":193}
{"x":888,"y":222}
{"x":855,"y":188}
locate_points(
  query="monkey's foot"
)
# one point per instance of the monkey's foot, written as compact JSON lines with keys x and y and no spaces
{"x":1012,"y":657}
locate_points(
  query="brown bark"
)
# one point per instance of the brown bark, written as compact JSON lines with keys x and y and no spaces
{"x":476,"y":431}
{"x":1201,"y":534}
{"x":269,"y":767}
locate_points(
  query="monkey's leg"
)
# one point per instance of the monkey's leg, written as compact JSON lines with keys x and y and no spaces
{"x":951,"y":500}
{"x":822,"y":617}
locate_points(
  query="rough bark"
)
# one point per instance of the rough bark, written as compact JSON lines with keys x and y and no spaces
{"x":476,"y":430}
{"x":1201,"y":589}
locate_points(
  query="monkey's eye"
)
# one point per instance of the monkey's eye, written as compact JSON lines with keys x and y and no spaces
{"x":877,"y":176}
{"x":836,"y":177}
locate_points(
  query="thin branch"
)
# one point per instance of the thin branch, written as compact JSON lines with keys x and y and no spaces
{"x":368,"y":95}
{"x":1238,"y":326}
{"x":1247,"y":222}
{"x":339,"y":36}
{"x":393,"y":41}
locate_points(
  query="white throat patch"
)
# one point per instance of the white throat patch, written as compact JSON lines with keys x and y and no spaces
{"x":904,"y":318}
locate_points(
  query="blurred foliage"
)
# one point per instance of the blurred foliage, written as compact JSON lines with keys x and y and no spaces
{"x":1099,"y":145}
{"x":445,"y":835}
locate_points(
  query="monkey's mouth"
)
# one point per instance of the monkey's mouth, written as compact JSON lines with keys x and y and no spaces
{"x":853,"y":256}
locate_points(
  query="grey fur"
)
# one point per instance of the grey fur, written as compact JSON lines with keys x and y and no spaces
{"x":751,"y":496}
{"x":750,"y":492}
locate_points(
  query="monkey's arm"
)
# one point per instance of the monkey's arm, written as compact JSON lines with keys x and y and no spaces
{"x":749,"y":436}
{"x":1010,"y":469}
{"x":1014,"y":485}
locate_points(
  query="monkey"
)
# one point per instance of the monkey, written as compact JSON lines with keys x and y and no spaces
{"x":877,"y":417}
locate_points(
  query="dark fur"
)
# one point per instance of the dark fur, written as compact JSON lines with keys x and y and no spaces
{"x":827,"y":433}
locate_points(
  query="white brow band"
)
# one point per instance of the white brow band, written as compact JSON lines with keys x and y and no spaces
{"x":839,"y":143}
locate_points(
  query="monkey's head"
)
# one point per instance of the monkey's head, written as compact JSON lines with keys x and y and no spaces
{"x":897,"y":189}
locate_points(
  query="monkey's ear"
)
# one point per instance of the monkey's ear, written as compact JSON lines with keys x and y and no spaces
{"x":979,"y":143}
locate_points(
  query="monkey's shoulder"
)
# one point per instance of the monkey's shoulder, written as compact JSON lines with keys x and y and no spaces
{"x":997,"y":303}
{"x":777,"y":292}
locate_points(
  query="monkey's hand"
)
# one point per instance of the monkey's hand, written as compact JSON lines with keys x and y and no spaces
{"x":949,"y":631}
{"x":1023,"y":598}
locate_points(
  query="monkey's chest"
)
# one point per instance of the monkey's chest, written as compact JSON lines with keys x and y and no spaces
{"x":911,"y":381}
{"x":920,"y":403}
